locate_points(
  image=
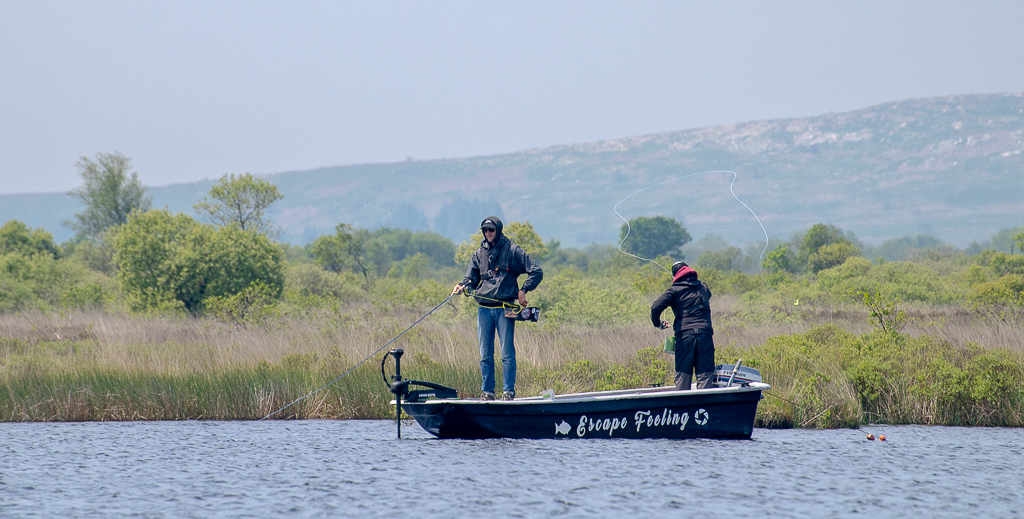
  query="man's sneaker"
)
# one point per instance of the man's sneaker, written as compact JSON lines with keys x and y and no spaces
{"x":508,"y":395}
{"x":487,"y":396}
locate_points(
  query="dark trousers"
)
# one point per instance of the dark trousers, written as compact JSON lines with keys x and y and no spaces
{"x":695,"y":352}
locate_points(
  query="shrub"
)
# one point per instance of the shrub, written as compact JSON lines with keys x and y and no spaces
{"x":98,"y":257}
{"x":388,"y":292}
{"x":649,"y":278}
{"x":727,"y":259}
{"x":164,"y":258}
{"x":39,"y":281}
{"x":568,"y":297}
{"x":254,"y":305}
{"x":901,"y":280}
{"x":1004,"y":296}
{"x":84,"y":296}
{"x":309,"y":285}
{"x":779,"y":259}
{"x":17,"y":237}
{"x":884,"y":310}
{"x":1003,"y":264}
{"x":831,"y":255}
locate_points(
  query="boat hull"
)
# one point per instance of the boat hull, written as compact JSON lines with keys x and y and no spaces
{"x":726,"y":413}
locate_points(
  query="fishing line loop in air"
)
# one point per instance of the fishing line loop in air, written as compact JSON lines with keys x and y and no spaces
{"x":731,"y":191}
{"x":372,"y":355}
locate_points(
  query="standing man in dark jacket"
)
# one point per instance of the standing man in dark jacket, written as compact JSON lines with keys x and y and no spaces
{"x":493,"y":273}
{"x":690,"y":300}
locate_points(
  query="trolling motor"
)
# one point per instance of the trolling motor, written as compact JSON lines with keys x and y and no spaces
{"x":401,"y":387}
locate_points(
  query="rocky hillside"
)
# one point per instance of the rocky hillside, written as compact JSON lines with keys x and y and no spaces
{"x":950,"y":166}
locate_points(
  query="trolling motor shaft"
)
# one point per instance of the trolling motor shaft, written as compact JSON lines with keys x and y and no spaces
{"x":397,"y":377}
{"x":400,"y":387}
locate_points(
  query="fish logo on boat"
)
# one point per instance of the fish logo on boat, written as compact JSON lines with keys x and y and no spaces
{"x":562,"y":428}
{"x":700,"y":417}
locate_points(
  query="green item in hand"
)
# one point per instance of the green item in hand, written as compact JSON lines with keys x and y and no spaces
{"x":670,"y":344}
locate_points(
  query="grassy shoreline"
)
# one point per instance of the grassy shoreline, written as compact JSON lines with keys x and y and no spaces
{"x":829,"y":370}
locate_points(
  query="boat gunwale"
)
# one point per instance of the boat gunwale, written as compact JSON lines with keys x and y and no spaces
{"x":601,"y":396}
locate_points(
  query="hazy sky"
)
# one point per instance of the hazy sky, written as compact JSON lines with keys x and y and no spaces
{"x":193,"y":90}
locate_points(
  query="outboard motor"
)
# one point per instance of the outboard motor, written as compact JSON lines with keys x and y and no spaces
{"x":727,"y":375}
{"x":401,"y":387}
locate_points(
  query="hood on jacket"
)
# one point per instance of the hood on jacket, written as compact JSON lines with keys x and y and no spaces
{"x":497,"y":225}
{"x":681,"y":270}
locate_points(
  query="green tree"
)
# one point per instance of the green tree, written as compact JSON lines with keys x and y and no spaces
{"x":899,"y":249}
{"x":97,"y":256}
{"x":780,"y":259}
{"x":309,"y":285}
{"x":730,"y":258}
{"x":831,"y":255}
{"x":1002,"y":264}
{"x":350,"y":249}
{"x":40,"y":281}
{"x":170,"y":260}
{"x":412,"y":268}
{"x":818,"y":236}
{"x":402,"y":244}
{"x":649,"y":237}
{"x":464,"y":254}
{"x":17,"y":237}
{"x":240,"y":201}
{"x":1003,"y":241}
{"x":521,"y":233}
{"x":1018,"y":239}
{"x":111,"y":192}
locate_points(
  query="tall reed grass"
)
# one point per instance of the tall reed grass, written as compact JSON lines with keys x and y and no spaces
{"x":826,"y":365}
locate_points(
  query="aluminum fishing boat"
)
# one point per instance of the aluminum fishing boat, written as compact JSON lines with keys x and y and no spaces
{"x":725,"y":411}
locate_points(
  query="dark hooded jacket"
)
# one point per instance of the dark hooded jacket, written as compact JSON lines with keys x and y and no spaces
{"x":690,"y":300}
{"x":494,"y":270}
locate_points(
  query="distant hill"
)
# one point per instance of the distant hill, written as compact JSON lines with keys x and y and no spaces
{"x":948,"y":166}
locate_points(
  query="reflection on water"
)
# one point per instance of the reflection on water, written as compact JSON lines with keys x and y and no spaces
{"x":359,"y":469}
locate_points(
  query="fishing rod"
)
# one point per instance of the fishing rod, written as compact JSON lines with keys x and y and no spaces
{"x":325,"y":386}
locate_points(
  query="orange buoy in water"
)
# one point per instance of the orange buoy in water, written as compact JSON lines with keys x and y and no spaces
{"x":871,"y":436}
{"x":881,"y":437}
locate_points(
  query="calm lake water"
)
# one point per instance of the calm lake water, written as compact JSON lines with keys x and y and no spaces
{"x":359,"y":469}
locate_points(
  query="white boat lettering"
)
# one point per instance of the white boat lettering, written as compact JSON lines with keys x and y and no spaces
{"x":562,"y":428}
{"x":608,"y":424}
{"x":667,"y":417}
{"x":640,"y":418}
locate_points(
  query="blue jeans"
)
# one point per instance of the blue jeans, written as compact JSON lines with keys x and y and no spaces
{"x":487,"y":321}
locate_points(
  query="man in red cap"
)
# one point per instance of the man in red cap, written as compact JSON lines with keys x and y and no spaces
{"x":690,"y":300}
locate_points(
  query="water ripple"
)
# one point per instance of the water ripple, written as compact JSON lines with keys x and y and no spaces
{"x":358,"y":469}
